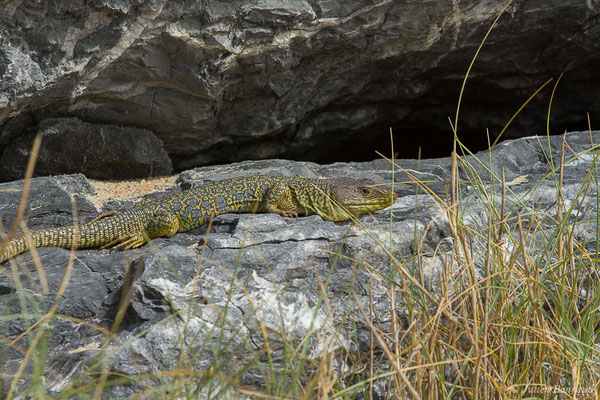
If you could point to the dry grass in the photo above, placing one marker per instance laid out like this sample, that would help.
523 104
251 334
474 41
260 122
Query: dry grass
528 329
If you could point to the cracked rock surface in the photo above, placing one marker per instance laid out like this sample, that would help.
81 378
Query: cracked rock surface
316 80
211 298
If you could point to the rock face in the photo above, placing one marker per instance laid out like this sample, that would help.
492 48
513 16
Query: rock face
316 80
98 151
206 300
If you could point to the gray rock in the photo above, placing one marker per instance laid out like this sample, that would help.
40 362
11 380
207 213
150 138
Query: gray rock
50 202
95 150
316 80
208 302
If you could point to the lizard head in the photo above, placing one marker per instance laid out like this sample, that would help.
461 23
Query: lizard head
359 196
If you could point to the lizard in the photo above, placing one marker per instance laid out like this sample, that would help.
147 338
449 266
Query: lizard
334 199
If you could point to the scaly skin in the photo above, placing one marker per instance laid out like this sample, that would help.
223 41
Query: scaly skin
335 199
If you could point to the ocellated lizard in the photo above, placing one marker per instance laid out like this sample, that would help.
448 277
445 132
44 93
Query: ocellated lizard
334 199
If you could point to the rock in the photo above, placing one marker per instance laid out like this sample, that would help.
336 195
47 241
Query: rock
323 81
50 202
207 301
95 150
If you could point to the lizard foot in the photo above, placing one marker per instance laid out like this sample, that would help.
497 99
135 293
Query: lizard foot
126 242
104 215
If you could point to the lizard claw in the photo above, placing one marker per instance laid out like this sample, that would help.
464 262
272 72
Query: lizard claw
105 215
126 242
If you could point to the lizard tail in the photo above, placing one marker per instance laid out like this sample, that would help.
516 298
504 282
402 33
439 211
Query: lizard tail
13 247
108 229
65 237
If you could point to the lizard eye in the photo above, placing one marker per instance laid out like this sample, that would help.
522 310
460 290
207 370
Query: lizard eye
365 191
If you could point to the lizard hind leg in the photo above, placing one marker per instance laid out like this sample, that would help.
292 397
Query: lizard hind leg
164 224
105 215
161 225
128 241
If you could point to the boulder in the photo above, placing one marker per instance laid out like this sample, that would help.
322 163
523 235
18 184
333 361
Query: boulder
323 81
207 300
99 151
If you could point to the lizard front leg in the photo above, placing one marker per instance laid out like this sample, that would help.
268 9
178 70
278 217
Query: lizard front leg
279 201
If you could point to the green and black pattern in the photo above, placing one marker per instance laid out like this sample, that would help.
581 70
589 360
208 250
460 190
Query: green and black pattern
334 199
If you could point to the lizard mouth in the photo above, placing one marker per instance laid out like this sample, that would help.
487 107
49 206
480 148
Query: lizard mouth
369 205
360 196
